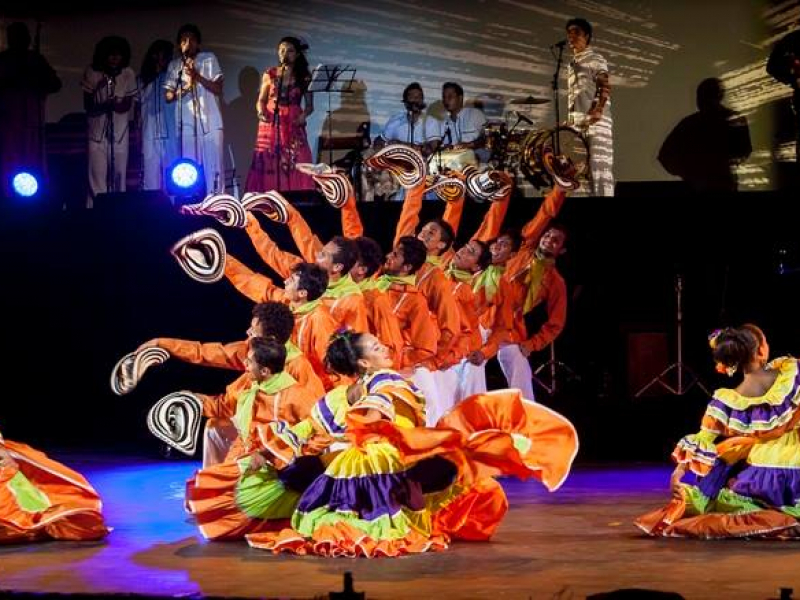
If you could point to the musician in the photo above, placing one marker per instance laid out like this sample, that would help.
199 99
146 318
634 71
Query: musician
194 84
784 66
589 104
463 127
413 126
109 87
26 78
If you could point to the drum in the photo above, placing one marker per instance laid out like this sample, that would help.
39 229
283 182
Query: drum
453 160
560 154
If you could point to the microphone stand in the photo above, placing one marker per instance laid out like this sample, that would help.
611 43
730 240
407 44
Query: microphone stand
111 172
276 126
179 88
559 61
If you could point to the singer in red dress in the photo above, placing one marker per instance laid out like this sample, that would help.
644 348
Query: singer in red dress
283 106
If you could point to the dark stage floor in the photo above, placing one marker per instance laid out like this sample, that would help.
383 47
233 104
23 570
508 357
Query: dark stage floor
575 542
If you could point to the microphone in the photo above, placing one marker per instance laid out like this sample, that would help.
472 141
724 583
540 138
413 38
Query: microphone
448 135
523 118
560 44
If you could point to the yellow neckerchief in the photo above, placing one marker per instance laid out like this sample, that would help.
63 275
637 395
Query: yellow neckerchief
292 351
384 282
367 284
489 280
536 270
344 287
244 404
458 274
436 261
306 308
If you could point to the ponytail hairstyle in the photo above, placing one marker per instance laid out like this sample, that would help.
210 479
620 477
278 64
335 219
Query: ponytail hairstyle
734 347
343 353
269 353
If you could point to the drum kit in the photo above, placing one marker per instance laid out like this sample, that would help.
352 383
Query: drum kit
540 156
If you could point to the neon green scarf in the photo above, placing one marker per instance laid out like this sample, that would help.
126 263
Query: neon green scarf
384 282
459 274
489 280
344 287
306 308
244 404
29 498
436 261
536 270
292 351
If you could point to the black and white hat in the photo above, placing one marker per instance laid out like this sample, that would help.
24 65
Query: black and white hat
202 255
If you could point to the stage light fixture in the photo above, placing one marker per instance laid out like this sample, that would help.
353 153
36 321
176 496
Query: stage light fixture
185 180
25 184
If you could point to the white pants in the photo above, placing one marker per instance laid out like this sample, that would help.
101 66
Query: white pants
425 380
207 150
218 438
460 381
517 369
100 162
157 155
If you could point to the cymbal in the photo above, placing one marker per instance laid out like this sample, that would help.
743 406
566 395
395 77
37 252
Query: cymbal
529 100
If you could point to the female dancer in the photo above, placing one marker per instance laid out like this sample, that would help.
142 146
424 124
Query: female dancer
398 487
740 475
41 499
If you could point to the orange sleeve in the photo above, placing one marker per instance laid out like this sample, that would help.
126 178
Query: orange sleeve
300 402
503 320
492 221
548 211
278 260
453 213
422 334
300 368
351 220
443 304
304 238
320 331
219 406
259 288
409 216
556 318
384 325
351 312
223 356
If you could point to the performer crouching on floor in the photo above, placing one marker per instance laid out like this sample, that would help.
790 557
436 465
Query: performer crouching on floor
41 499
739 476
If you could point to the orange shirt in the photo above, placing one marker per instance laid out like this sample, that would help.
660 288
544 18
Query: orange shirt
438 292
383 323
232 356
417 326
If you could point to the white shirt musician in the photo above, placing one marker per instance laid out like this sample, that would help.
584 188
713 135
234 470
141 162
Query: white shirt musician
589 104
413 126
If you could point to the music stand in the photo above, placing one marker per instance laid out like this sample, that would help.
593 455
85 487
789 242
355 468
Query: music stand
332 79
553 365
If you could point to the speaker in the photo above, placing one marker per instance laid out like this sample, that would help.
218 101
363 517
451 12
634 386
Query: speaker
648 356
150 199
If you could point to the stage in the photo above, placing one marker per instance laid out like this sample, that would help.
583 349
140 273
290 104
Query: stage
575 542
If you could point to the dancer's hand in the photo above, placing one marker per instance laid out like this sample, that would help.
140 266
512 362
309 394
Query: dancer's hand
476 358
148 344
5 459
675 481
257 462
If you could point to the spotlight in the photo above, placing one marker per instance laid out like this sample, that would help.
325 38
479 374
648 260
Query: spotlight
186 180
25 184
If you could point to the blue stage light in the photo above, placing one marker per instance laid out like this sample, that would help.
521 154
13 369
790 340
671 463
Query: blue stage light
185 180
25 184
185 174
